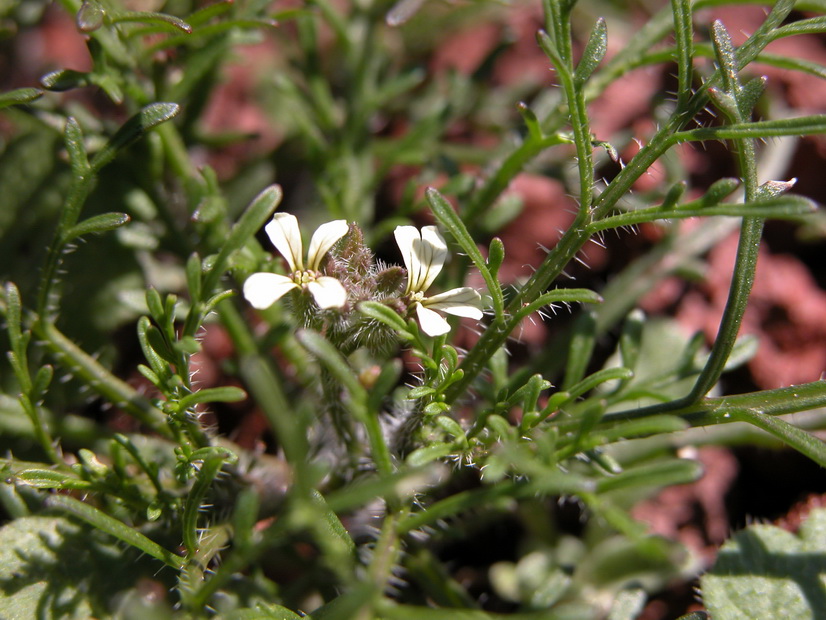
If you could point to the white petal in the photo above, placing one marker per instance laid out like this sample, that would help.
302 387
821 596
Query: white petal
432 323
263 289
405 237
432 254
328 292
286 237
323 239
463 301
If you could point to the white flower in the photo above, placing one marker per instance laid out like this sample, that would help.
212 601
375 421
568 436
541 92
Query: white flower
264 289
424 255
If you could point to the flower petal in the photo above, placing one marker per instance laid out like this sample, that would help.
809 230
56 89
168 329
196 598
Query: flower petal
323 239
263 289
464 301
286 237
432 252
328 292
432 323
405 237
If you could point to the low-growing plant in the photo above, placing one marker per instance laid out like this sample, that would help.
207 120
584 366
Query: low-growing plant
401 418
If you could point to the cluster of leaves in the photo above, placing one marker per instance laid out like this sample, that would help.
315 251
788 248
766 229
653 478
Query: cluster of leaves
359 523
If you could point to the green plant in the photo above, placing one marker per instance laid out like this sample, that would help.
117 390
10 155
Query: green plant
392 441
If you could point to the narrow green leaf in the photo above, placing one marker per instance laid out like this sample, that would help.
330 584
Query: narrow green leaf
250 222
771 189
215 300
14 315
530 120
725 102
559 295
383 314
428 454
583 340
496 256
684 37
155 305
333 524
159 344
132 130
719 191
206 13
150 374
96 225
150 469
110 83
587 421
812 25
435 408
156 361
801 126
420 392
112 526
726 57
187 345
593 53
64 79
800 440
50 479
549 47
21 371
448 218
774 208
554 483
630 341
500 427
193 276
42 379
75 147
99 379
674 194
529 393
750 95
452 427
401 11
244 516
213 452
225 394
667 473
153 18
90 16
19 96
210 466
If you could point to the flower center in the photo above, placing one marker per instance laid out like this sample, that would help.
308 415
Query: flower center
417 296
303 278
